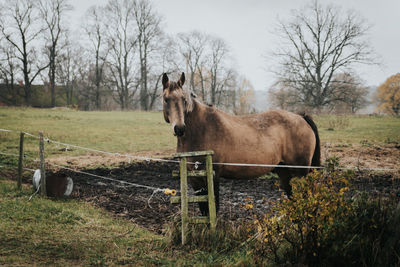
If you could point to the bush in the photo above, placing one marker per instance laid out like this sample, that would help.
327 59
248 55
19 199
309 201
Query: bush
371 234
321 226
295 230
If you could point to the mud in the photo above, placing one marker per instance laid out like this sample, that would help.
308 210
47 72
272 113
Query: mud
153 209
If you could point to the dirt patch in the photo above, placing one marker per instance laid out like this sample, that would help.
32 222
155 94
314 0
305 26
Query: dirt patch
93 160
152 211
367 156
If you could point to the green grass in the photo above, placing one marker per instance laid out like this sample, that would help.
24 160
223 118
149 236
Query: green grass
358 129
125 132
70 233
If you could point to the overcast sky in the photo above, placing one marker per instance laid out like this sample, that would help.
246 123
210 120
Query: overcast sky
247 26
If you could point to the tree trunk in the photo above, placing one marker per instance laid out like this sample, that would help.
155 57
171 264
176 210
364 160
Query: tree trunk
52 72
27 88
144 103
97 82
12 88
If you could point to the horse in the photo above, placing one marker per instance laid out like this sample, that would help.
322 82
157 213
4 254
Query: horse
275 137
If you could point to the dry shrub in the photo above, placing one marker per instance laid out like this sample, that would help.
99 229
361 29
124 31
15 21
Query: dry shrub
320 226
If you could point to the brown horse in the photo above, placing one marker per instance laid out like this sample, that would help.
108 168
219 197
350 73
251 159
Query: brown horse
274 137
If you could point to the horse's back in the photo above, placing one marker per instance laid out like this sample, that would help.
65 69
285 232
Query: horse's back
271 137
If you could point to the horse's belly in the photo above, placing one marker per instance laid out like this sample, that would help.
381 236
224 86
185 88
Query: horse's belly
243 172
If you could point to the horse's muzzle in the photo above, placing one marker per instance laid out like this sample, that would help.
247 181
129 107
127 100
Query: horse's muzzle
179 130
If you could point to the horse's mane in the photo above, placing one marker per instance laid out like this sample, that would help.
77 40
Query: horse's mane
189 101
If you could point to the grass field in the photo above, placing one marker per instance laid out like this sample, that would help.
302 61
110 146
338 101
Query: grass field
124 132
132 132
66 233
358 129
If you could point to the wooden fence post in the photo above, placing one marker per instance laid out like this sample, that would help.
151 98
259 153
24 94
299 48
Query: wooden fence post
184 199
20 160
211 198
42 166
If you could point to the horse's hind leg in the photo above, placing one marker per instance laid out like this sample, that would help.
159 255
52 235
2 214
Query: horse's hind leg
200 189
285 174
216 192
203 205
284 177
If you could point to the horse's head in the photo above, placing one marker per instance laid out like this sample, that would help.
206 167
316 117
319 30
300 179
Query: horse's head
176 103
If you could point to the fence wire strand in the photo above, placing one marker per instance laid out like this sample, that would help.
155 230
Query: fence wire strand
154 189
194 163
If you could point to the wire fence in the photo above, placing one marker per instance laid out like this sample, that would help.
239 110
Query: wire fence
143 158
152 188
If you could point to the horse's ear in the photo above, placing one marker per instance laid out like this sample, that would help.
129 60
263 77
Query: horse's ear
165 81
181 81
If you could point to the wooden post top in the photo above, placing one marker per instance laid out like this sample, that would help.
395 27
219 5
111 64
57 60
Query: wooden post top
193 154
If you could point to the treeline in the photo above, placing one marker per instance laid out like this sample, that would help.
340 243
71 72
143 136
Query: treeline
114 60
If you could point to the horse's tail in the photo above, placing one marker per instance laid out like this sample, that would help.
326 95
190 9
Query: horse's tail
316 159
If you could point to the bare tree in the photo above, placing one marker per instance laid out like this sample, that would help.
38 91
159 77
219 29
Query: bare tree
148 32
193 48
320 42
20 26
206 62
283 97
95 29
52 13
84 85
8 69
219 51
350 93
69 64
121 41
166 63
238 95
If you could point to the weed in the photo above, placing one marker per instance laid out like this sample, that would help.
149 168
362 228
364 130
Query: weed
389 140
365 143
343 145
270 175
